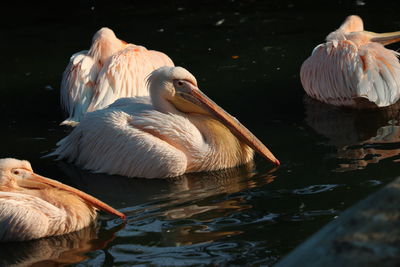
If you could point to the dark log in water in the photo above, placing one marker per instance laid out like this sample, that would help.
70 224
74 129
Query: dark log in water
367 234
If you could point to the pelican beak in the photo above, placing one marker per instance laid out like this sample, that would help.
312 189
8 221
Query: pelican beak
192 94
37 181
385 38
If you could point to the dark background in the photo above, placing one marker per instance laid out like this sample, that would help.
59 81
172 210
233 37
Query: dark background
39 37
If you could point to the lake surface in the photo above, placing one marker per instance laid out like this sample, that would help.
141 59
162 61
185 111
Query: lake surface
246 56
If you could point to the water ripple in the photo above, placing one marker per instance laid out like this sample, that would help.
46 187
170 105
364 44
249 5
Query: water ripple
315 189
311 214
216 253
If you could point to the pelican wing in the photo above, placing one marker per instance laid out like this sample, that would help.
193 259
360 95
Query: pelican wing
380 80
125 73
325 74
338 73
124 139
77 85
25 217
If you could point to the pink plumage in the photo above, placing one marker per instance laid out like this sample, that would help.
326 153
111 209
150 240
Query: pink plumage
109 70
32 206
175 130
353 68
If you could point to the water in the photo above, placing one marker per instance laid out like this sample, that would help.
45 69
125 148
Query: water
246 56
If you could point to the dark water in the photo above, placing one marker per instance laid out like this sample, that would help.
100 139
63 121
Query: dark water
246 56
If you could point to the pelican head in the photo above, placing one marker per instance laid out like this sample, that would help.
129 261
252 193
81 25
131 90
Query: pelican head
353 29
352 23
174 90
13 169
104 33
105 44
18 175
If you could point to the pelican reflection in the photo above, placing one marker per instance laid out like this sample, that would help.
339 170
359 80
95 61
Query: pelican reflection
179 209
361 137
57 250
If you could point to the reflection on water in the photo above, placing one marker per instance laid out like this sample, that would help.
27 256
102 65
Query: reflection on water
176 208
198 217
361 137
58 250
119 190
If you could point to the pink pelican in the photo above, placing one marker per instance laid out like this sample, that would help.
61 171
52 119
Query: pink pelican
32 206
353 68
177 129
109 70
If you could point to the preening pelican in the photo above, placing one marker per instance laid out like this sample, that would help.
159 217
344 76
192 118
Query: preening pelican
32 206
353 68
109 70
176 130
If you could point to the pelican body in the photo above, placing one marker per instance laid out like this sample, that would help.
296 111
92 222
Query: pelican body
109 70
32 206
177 129
353 68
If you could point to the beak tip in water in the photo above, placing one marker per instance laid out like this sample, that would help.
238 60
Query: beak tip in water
119 214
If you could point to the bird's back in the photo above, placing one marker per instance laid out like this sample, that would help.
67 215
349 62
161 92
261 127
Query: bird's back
344 74
33 214
109 70
125 74
77 84
129 138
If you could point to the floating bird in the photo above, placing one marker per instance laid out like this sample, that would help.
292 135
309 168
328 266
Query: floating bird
109 70
177 129
32 206
353 68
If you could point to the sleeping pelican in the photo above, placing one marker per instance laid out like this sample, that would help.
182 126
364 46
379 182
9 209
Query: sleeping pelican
109 70
174 131
32 206
353 68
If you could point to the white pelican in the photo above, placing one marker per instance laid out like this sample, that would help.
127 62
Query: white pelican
353 68
32 206
176 130
109 70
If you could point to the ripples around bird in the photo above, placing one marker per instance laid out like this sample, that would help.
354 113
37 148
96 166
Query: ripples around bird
196 219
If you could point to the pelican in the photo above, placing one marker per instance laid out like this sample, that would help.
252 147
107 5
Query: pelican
109 70
353 68
176 130
32 206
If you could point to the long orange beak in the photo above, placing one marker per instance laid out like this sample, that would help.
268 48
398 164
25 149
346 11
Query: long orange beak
35 178
193 94
384 38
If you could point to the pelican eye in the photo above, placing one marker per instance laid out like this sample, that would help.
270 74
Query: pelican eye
180 83
16 172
